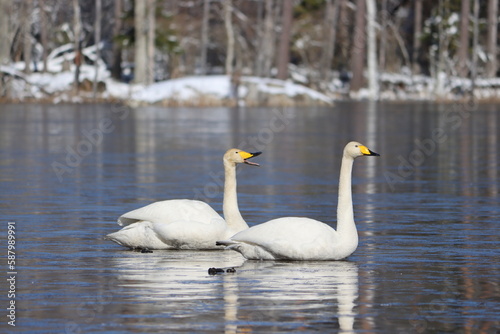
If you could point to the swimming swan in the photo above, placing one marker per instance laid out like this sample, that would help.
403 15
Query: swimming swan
297 238
184 223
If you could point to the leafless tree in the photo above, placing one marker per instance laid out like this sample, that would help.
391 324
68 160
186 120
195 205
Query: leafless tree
463 48
116 68
358 47
371 10
77 35
151 20
417 35
284 47
5 31
27 11
204 36
43 33
97 38
475 44
384 17
491 43
228 23
331 17
140 43
266 47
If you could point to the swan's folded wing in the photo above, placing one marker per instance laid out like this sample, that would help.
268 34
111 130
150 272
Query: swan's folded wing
191 234
170 211
290 237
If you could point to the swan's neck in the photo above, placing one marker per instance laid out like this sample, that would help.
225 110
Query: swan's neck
232 213
345 215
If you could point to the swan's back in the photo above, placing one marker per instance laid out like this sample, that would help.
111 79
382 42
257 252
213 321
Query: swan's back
287 238
171 211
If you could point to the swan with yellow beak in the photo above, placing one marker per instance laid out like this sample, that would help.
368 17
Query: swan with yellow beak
306 239
184 223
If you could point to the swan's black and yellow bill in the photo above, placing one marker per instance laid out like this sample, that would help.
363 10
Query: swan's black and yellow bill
246 155
368 152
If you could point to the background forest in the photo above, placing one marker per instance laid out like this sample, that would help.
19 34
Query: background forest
347 47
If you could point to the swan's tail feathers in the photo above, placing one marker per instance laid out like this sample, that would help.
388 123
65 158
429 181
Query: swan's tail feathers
138 236
118 238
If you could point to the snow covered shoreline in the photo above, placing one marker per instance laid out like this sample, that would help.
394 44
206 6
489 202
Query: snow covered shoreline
220 90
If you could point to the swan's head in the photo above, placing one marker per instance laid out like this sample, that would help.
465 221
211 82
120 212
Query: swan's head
237 156
355 149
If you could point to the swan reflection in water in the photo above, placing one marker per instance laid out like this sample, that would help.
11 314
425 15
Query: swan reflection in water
260 294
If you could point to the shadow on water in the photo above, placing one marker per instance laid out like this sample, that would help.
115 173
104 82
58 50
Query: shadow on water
427 214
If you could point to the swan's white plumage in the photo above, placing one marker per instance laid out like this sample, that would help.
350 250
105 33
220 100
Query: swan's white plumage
183 223
286 239
297 238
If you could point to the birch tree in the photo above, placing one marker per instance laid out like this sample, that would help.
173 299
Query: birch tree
228 23
372 49
5 38
141 41
491 43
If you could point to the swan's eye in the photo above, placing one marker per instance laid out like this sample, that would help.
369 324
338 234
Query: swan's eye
236 152
356 145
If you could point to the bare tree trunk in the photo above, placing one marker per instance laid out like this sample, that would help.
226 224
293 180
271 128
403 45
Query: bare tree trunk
5 38
384 20
373 87
97 38
150 74
358 48
27 11
78 51
43 33
344 40
417 33
116 67
228 22
266 49
463 48
331 18
141 42
475 43
284 48
438 77
204 36
258 38
491 44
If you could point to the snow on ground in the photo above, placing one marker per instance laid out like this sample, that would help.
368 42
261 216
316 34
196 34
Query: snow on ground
184 89
56 85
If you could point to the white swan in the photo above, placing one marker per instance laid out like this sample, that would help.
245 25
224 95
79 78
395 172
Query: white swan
184 223
297 238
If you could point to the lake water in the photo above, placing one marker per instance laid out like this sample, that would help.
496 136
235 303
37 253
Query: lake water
427 212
